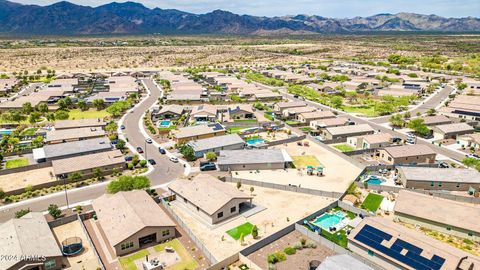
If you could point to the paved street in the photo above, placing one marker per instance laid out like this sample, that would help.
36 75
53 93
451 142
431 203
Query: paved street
165 171
432 103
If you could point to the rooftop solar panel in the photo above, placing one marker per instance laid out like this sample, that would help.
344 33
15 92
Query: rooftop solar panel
373 238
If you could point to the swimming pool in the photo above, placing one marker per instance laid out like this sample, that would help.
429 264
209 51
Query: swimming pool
5 132
374 180
255 141
165 123
328 220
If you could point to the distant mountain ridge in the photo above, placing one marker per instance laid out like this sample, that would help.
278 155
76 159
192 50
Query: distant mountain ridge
134 18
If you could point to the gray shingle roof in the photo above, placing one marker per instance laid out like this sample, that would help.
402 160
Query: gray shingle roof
77 147
216 142
254 156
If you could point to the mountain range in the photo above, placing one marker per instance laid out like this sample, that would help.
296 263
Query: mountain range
65 18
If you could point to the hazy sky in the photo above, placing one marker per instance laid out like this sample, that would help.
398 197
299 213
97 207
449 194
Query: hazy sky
326 8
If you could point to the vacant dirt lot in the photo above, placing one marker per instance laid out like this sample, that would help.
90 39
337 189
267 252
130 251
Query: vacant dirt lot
20 180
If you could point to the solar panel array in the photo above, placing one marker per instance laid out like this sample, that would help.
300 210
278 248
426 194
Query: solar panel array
216 126
373 238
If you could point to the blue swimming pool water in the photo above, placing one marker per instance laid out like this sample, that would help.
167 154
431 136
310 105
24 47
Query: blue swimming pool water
255 141
165 123
374 180
5 132
328 220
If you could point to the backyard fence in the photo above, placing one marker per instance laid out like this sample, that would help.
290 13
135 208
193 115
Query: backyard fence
185 227
80 219
62 221
26 168
323 193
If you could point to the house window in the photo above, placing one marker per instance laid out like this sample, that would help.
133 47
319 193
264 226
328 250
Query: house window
233 209
389 159
220 215
198 208
470 234
122 247
50 264
458 185
432 184
165 232
439 184
371 253
449 229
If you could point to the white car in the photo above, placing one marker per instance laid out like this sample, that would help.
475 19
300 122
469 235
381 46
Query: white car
475 156
174 159
148 140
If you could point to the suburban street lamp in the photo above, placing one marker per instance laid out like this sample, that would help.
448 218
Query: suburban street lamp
66 193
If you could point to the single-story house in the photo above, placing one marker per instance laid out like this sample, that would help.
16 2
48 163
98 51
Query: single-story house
436 120
470 140
217 144
81 123
281 106
70 149
441 215
168 112
328 122
451 131
132 220
292 113
86 165
255 159
371 141
211 199
407 154
204 113
241 112
28 243
343 132
307 117
452 179
191 133
395 247
73 134
7 85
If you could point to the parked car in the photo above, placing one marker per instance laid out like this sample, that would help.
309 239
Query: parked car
139 150
475 156
148 140
122 127
152 162
443 164
411 135
128 158
174 159
396 139
162 151
208 167
410 141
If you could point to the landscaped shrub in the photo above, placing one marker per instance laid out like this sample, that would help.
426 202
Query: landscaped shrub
290 250
271 258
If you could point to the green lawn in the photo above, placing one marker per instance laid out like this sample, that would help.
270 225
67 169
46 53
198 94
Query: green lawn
245 120
15 163
128 263
187 262
28 132
304 161
289 122
344 147
171 127
365 110
233 130
268 116
245 229
372 202
340 238
78 114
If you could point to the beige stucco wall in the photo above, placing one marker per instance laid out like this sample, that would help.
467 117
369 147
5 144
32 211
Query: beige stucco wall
146 231
439 227
26 265
226 210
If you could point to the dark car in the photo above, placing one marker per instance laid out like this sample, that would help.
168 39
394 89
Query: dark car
162 151
152 162
139 150
396 140
122 127
128 158
443 164
208 167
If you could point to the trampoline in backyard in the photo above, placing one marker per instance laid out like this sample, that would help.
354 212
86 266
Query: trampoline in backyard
72 246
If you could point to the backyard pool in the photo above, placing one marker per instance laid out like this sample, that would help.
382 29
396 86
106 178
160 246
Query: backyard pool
165 123
5 132
255 141
374 180
328 220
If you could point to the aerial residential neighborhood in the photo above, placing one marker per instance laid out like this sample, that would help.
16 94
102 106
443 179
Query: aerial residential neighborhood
140 137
